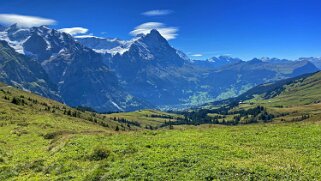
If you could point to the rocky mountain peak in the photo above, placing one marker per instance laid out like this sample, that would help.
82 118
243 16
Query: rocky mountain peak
154 38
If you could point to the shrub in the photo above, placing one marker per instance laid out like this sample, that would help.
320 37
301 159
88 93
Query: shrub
50 136
17 101
117 128
100 153
1 160
37 165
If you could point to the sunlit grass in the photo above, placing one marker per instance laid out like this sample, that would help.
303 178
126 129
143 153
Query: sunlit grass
37 144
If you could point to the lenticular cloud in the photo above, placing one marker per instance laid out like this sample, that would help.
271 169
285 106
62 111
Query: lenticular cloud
167 32
25 21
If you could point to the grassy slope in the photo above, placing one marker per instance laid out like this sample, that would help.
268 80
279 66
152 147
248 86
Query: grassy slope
35 105
146 117
260 151
303 92
298 98
271 151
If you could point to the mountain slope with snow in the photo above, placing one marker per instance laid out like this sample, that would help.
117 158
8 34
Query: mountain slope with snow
81 77
25 73
217 62
145 72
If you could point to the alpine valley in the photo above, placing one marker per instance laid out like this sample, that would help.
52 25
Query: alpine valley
170 90
110 75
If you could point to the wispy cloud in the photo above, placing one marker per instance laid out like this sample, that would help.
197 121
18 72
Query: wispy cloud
197 55
167 32
25 21
157 12
74 30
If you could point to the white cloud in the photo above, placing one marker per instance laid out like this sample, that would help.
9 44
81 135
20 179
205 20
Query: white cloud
25 21
197 55
74 30
157 12
167 32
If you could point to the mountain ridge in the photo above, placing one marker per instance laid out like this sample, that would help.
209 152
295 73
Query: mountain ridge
78 72
145 72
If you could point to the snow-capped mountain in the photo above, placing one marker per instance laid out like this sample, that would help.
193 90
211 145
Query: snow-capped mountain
151 48
40 43
15 37
274 60
115 46
25 73
117 75
315 60
217 62
97 43
105 45
152 70
78 72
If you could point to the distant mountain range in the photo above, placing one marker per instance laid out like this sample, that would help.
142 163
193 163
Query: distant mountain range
119 75
217 62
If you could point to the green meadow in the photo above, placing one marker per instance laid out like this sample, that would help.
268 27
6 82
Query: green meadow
284 151
41 139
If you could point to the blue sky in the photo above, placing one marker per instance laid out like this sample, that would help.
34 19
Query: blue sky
240 28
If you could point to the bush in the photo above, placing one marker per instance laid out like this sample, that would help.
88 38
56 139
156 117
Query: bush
50 136
117 128
37 165
55 134
100 153
17 101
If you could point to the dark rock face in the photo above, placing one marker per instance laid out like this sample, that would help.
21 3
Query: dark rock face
83 79
152 70
23 72
37 45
